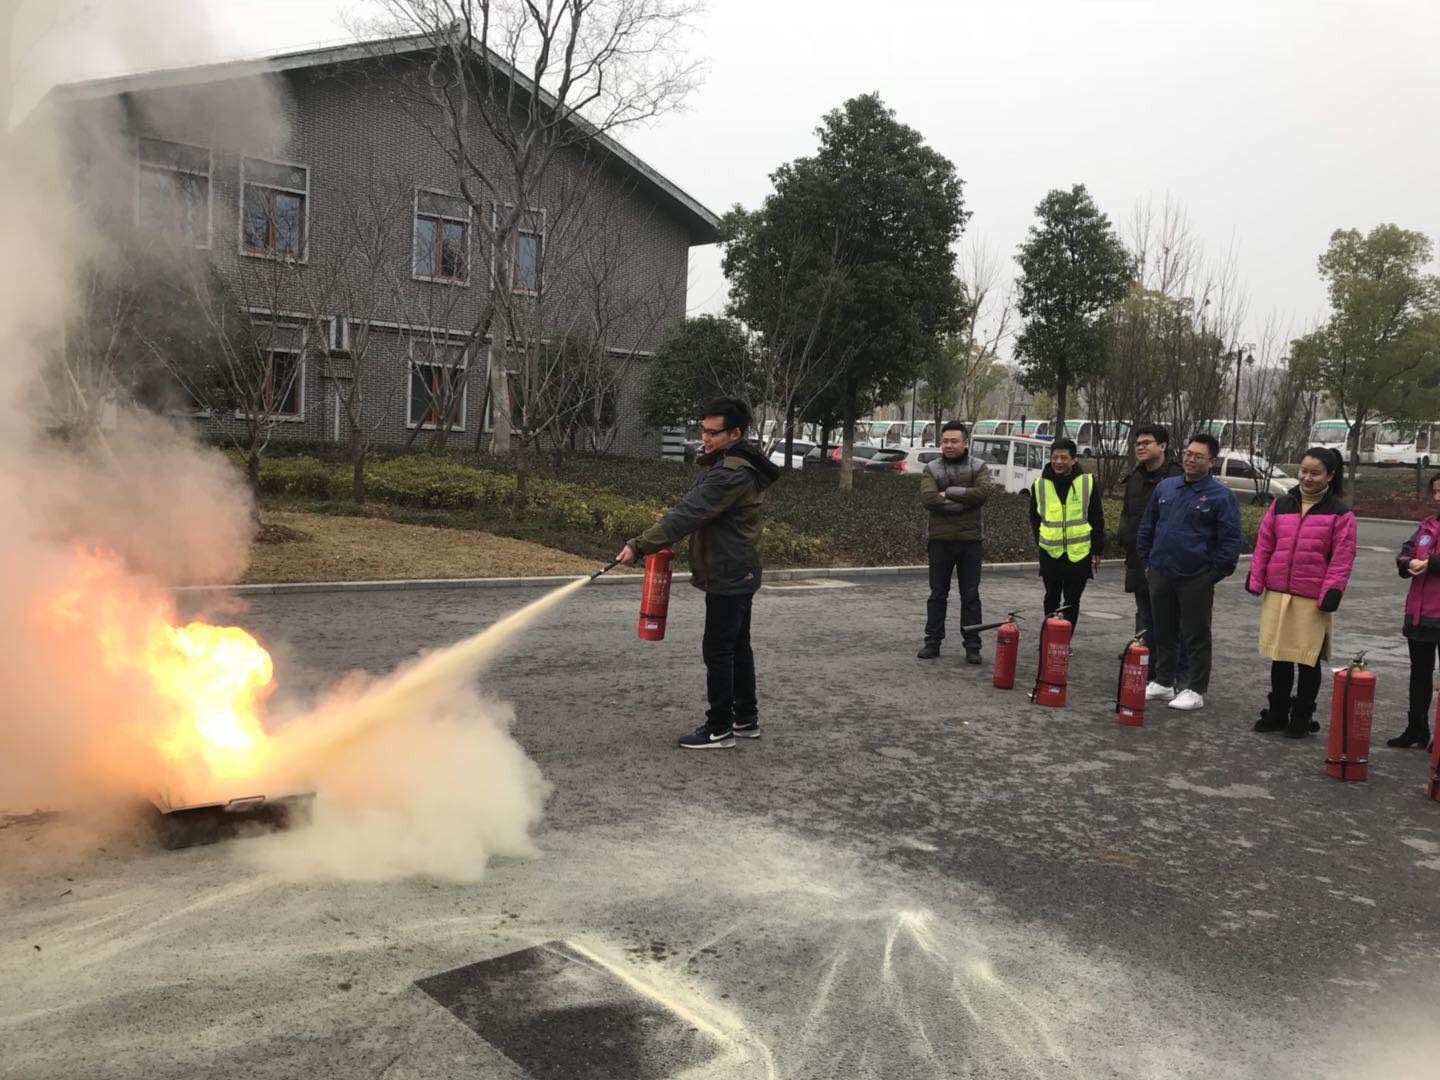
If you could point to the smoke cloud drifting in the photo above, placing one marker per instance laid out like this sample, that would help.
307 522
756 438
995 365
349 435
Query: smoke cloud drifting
98 526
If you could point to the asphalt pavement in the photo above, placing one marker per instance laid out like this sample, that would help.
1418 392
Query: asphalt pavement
911 874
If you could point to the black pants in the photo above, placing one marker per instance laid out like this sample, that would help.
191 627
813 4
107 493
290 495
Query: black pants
1181 609
1282 678
1058 588
729 663
1422 681
958 558
1145 624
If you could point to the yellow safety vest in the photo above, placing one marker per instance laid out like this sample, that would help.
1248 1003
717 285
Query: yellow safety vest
1064 524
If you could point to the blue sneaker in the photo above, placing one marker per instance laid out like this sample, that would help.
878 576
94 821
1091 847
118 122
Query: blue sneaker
747 729
702 738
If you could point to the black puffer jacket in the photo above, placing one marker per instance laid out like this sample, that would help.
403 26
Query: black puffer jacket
723 516
1139 484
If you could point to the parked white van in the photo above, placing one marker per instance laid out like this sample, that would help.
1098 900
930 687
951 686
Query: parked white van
1014 461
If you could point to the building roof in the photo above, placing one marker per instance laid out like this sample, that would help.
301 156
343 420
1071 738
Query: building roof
699 221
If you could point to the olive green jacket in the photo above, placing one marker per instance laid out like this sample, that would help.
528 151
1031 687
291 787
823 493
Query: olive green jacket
954 493
722 514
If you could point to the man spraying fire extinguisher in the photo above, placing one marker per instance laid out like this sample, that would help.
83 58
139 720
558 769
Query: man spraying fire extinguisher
722 514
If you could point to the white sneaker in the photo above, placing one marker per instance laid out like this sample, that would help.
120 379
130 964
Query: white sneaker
1154 691
1188 700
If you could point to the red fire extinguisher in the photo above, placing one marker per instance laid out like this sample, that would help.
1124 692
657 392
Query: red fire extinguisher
1007 648
1130 689
1351 709
655 595
1434 789
1054 667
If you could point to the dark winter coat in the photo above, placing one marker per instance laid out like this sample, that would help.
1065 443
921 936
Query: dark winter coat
1054 569
953 494
1191 530
723 516
1139 485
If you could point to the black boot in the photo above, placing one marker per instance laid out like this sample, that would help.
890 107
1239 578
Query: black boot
1275 716
1418 737
929 651
1301 722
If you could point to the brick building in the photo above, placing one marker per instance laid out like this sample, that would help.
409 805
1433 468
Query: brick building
268 168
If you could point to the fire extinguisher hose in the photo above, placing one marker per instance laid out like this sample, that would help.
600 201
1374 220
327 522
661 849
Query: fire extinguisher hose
1344 761
605 569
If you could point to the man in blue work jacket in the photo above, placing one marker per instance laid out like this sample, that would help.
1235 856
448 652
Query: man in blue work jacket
1189 541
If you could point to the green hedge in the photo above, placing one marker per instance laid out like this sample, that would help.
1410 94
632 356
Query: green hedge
438 483
809 522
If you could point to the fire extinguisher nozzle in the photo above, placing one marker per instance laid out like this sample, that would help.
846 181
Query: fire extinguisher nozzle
606 568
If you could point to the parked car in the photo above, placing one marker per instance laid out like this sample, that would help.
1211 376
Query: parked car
886 459
1245 475
863 452
800 449
1014 460
917 457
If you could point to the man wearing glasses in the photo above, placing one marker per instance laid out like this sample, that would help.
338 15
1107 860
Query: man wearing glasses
1152 464
723 517
1189 542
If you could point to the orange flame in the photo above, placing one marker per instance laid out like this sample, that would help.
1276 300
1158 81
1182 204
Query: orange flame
202 685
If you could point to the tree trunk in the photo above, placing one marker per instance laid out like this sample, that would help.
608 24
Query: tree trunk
500 442
357 467
1062 392
847 442
789 434
522 473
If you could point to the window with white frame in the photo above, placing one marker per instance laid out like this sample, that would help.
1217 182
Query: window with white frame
280 382
526 253
442 237
437 387
174 189
273 207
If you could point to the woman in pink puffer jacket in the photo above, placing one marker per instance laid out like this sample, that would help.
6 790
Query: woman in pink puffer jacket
1302 562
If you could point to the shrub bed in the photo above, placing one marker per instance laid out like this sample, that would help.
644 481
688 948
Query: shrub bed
590 502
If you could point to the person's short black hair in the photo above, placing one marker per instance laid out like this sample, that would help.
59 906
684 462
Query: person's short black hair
955 425
1206 440
1159 432
1334 463
1434 479
733 411
1065 444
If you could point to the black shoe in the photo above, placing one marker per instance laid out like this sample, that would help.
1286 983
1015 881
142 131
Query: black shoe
702 738
1411 737
928 651
1275 716
972 656
746 729
1301 723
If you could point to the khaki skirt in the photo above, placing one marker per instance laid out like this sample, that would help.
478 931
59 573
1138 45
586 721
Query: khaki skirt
1293 630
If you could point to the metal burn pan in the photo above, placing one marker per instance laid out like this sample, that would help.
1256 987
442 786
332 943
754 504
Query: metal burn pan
207 823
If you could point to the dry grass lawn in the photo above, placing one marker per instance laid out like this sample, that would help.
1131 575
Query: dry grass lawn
296 546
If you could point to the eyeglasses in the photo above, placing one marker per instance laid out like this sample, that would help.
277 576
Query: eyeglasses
1142 443
1190 455
714 434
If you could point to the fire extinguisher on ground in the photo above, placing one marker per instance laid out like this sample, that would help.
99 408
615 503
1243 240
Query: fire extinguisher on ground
1434 789
1054 667
655 595
1007 648
1351 708
1130 687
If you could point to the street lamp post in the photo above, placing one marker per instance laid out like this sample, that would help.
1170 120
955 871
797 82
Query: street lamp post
1240 354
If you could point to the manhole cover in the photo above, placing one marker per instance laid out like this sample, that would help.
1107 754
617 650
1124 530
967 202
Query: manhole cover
798 584
1087 613
558 1010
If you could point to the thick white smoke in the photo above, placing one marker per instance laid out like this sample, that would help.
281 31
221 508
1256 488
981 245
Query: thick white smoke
95 529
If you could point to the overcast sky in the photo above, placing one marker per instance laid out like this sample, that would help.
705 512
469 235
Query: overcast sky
1272 121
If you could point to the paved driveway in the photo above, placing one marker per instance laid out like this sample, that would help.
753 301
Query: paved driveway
911 874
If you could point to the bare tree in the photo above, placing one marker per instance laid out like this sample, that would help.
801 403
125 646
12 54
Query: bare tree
515 93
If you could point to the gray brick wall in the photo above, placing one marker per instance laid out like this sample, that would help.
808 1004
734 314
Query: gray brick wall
361 144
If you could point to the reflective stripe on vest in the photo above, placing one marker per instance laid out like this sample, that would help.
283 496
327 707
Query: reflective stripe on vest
1064 524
